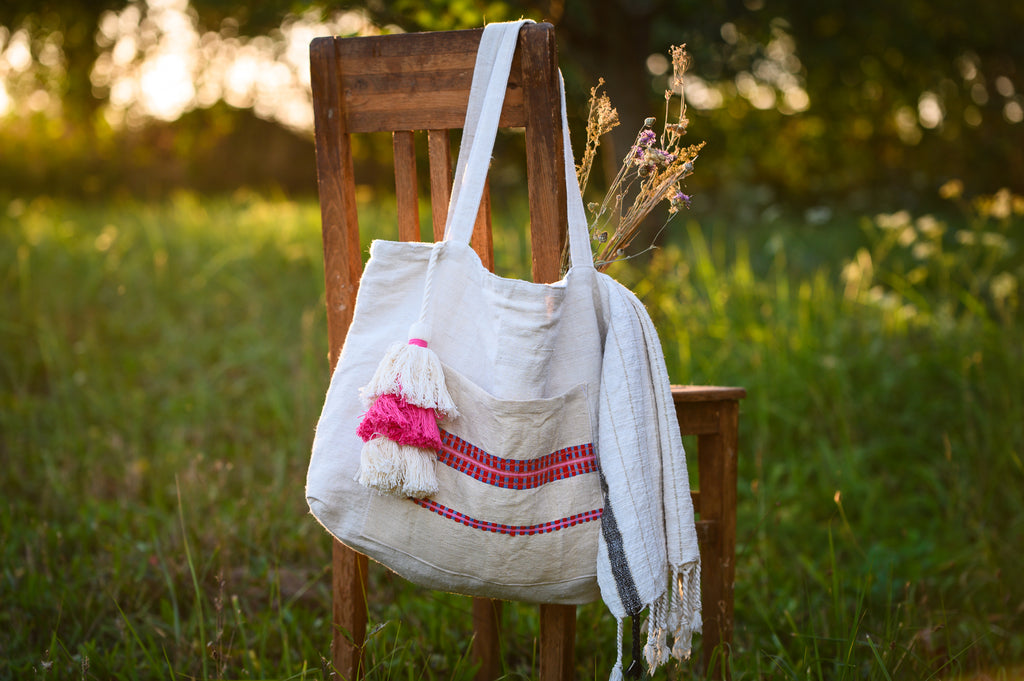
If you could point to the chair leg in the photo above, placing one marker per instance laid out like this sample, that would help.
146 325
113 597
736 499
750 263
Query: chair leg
717 470
348 576
557 642
486 631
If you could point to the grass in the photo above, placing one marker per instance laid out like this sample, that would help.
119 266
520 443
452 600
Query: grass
162 367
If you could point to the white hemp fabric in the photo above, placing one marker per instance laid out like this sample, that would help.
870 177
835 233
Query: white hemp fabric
570 373
648 555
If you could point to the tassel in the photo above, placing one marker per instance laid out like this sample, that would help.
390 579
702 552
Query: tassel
687 620
380 466
397 470
413 372
405 399
419 473
656 651
392 417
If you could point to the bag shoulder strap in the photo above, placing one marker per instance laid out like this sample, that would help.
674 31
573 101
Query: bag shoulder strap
486 98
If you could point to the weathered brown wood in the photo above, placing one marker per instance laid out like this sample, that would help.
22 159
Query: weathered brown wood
406 195
348 586
342 268
698 418
342 260
557 642
706 393
716 466
439 150
544 164
707 535
420 82
714 554
487 637
482 240
712 413
720 666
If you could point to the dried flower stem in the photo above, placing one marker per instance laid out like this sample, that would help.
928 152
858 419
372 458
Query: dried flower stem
652 171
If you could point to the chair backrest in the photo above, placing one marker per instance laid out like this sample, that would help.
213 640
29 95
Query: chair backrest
403 84
420 82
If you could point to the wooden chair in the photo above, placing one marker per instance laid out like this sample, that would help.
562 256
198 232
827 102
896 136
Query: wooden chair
420 82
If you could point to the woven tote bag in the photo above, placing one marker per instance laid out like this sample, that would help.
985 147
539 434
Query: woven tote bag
513 512
503 438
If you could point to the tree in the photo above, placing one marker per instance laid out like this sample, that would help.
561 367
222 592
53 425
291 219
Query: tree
868 101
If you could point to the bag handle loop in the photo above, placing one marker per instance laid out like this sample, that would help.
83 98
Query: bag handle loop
486 98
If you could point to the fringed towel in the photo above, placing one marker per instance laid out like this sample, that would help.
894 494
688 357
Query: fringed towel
647 553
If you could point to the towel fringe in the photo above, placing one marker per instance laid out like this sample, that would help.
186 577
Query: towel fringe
616 674
675 614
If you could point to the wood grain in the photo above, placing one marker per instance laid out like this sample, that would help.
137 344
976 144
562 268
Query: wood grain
406 194
439 151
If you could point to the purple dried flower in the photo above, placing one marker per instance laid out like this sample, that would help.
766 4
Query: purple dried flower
647 138
680 197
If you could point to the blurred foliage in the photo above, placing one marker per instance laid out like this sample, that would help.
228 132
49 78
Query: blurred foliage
209 150
899 98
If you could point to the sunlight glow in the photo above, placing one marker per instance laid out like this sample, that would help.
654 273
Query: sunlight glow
1013 112
930 111
155 64
702 95
18 55
774 81
165 86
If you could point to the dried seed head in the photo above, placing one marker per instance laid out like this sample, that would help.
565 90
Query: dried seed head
680 62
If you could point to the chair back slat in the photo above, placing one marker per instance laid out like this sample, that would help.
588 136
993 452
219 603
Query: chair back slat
338 212
439 151
406 194
482 240
420 82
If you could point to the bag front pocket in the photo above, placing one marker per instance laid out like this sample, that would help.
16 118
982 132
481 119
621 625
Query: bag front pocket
518 511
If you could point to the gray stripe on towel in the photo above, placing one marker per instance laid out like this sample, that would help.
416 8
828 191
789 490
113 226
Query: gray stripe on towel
617 557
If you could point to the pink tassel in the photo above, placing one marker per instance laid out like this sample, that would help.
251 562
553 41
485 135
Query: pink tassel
405 398
392 417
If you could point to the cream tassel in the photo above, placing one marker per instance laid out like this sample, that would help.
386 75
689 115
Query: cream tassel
380 466
419 473
414 372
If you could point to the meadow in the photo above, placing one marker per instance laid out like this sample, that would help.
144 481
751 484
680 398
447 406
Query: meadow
162 366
